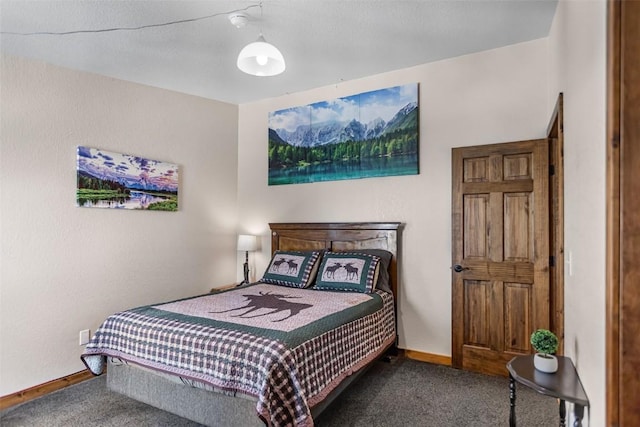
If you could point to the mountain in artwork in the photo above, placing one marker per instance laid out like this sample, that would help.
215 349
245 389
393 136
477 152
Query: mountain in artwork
334 132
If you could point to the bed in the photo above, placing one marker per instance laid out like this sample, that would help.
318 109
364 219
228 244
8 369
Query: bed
275 352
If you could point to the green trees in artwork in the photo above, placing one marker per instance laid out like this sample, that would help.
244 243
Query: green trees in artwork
397 143
92 188
92 183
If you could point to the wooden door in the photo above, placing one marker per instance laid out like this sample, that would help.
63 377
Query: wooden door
500 249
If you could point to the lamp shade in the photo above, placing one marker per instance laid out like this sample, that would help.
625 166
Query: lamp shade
247 242
261 59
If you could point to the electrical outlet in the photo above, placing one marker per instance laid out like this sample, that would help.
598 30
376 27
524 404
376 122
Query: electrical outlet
85 336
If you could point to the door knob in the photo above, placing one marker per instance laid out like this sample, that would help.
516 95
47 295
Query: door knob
458 268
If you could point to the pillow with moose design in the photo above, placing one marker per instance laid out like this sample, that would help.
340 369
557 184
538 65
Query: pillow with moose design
347 271
296 269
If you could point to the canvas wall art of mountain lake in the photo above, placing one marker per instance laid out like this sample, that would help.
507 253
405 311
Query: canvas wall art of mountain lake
121 181
371 134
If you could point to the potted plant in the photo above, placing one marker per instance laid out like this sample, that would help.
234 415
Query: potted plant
545 343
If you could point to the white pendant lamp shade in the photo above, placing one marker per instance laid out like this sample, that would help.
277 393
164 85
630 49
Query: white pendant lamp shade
261 59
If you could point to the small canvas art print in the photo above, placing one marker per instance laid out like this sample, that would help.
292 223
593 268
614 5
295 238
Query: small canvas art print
122 181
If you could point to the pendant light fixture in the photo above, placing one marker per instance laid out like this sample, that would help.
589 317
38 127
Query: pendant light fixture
261 58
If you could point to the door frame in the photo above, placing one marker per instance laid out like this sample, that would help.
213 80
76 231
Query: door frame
555 134
623 220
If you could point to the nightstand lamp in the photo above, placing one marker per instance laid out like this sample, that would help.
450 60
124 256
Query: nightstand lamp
246 243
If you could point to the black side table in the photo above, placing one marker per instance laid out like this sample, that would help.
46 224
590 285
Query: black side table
563 384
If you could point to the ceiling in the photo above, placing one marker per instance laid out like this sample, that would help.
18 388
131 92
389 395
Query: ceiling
323 42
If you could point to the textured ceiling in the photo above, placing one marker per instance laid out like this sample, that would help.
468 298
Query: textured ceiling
323 42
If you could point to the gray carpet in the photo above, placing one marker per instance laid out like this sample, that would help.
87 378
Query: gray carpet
401 393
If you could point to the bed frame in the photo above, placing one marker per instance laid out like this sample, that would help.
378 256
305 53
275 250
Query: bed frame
215 409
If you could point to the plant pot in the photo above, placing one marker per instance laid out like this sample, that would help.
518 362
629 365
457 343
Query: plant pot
545 363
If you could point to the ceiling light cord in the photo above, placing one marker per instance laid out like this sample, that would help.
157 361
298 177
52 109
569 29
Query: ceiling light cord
261 17
142 27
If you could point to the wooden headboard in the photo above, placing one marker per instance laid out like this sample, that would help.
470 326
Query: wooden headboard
341 236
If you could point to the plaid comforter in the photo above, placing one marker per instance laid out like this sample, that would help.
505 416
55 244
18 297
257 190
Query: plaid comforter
288 347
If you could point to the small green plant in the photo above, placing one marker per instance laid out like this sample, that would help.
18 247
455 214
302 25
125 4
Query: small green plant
544 341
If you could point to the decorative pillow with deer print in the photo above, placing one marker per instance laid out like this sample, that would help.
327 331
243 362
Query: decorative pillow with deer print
292 268
346 271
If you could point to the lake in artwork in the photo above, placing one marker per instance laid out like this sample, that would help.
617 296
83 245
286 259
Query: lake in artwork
371 134
121 181
347 169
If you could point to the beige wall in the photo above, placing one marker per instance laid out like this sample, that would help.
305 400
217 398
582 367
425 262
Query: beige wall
66 268
494 96
578 69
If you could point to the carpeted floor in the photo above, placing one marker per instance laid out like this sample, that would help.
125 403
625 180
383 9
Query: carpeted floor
401 393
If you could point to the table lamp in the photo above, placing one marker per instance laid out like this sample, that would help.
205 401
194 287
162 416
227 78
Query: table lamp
247 243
